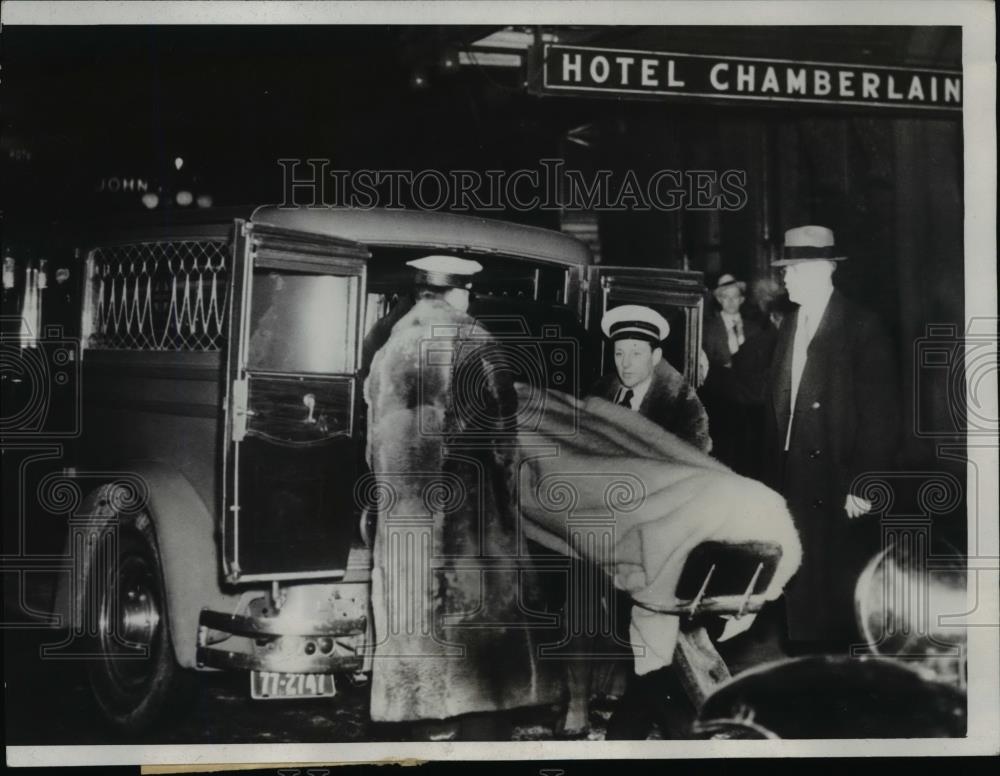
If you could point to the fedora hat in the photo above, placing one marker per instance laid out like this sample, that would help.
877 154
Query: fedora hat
808 243
727 281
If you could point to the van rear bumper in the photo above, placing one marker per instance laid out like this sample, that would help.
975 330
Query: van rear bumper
318 629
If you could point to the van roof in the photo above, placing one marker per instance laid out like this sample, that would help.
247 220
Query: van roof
425 229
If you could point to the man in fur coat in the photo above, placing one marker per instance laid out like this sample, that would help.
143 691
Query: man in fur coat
643 381
449 589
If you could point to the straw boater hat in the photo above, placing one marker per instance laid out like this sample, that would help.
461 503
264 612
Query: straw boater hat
808 243
632 321
726 281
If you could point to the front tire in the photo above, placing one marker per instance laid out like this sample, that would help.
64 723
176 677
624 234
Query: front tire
136 679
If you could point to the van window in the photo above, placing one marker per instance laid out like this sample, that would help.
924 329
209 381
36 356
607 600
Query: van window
302 322
166 295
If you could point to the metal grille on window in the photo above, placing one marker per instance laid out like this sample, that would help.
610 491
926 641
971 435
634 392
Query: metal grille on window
158 296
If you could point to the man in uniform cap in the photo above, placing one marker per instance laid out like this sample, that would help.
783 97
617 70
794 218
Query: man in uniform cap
448 278
643 380
451 643
832 411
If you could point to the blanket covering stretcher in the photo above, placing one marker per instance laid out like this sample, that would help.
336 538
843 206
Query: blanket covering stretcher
593 463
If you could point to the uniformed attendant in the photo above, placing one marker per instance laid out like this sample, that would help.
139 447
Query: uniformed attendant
451 643
446 277
643 380
832 412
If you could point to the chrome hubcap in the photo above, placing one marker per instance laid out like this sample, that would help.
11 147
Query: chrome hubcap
130 622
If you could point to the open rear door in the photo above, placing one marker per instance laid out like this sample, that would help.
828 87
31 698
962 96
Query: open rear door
291 412
678 295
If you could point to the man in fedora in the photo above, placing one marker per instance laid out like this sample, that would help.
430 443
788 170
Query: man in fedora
725 331
643 380
832 410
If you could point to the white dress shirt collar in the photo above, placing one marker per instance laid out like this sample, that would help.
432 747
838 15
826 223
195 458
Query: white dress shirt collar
814 307
639 391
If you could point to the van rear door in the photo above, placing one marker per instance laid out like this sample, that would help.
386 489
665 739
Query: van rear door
291 437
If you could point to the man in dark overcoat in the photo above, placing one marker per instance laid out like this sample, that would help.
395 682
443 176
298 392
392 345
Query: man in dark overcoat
726 333
832 411
726 328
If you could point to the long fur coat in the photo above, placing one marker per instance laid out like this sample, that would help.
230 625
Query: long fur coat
450 590
670 403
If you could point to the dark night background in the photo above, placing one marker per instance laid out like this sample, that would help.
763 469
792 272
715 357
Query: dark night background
83 104
99 102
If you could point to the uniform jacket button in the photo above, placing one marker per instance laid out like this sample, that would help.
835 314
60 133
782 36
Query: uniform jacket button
815 405
818 503
814 453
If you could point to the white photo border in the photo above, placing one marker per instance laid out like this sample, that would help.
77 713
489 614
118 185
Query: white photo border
977 21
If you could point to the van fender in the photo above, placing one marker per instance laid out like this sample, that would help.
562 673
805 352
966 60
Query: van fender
186 544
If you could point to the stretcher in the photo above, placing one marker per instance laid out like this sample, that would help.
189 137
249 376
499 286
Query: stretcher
718 580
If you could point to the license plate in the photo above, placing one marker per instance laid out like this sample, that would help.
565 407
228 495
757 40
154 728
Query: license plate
270 685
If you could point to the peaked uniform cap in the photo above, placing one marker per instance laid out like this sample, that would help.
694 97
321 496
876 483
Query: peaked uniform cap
445 271
632 321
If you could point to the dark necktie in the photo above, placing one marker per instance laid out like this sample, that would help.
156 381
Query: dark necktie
626 400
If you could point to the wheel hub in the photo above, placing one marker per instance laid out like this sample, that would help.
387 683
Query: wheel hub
130 622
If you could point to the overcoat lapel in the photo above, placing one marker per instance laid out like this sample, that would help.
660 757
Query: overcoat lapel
782 393
824 342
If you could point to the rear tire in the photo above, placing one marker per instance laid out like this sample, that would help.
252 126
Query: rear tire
137 678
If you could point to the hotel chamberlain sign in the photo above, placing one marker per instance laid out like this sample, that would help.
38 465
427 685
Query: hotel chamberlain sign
597 72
